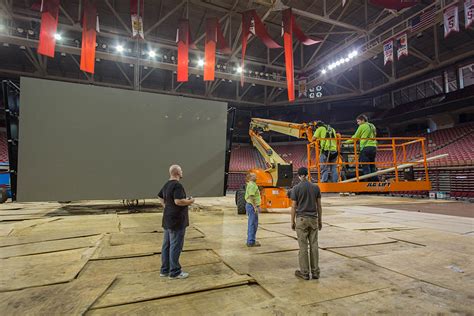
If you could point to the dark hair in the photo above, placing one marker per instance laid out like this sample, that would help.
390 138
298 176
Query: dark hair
363 117
303 171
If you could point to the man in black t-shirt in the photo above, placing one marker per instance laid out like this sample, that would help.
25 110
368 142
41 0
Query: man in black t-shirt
175 221
306 219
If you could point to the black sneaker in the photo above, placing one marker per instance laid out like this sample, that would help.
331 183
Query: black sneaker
300 275
256 244
314 276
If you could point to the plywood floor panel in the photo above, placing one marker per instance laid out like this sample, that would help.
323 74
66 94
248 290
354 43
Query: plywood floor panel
374 250
141 249
419 297
48 246
73 298
214 302
436 239
149 285
444 268
37 270
145 263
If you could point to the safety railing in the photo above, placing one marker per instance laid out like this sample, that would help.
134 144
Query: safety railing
392 155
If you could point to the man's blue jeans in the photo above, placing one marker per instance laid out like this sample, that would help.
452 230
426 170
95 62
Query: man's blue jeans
327 170
368 154
252 224
173 241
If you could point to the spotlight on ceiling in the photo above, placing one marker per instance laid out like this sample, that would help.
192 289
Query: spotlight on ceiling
323 71
239 70
353 54
104 46
152 54
58 37
119 48
200 62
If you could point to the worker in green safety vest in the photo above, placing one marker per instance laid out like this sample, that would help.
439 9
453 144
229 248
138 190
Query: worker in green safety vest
327 152
368 147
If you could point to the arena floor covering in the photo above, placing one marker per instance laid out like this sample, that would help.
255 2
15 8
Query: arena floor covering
101 258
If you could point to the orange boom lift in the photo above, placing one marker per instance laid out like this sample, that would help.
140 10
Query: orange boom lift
278 177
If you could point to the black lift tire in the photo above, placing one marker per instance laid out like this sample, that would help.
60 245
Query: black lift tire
3 195
240 202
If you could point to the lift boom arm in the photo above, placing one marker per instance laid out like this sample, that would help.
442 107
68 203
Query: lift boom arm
280 170
271 156
304 131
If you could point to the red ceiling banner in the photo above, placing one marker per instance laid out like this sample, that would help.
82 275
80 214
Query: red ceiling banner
214 38
288 43
289 28
89 33
49 24
252 24
183 38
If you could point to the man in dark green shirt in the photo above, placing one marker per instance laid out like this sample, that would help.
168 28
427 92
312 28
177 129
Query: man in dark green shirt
368 147
306 219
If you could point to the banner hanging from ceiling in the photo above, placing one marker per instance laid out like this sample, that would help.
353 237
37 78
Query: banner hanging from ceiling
137 8
252 24
451 20
90 26
468 13
49 24
183 38
214 40
402 45
289 27
388 52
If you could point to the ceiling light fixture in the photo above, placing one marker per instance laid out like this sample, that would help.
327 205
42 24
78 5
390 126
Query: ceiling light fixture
58 37
119 48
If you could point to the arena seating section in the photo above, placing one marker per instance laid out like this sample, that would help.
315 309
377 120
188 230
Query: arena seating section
453 174
3 148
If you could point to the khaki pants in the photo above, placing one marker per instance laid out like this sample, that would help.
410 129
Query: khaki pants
307 232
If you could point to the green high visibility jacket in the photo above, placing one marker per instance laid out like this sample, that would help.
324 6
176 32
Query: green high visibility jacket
325 144
365 130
